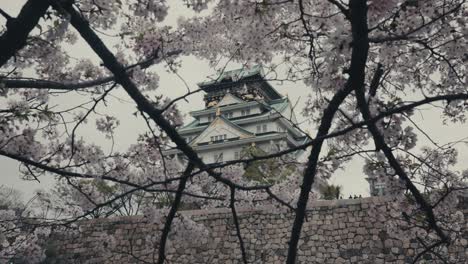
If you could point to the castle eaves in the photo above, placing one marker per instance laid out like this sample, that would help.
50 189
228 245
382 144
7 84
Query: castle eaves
278 106
235 75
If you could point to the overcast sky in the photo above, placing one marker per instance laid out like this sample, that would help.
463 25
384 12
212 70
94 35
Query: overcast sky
194 71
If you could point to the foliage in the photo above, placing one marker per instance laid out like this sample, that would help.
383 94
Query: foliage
267 171
330 191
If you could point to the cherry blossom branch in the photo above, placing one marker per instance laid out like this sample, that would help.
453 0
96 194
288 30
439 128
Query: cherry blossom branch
236 224
75 174
156 143
69 174
358 9
183 97
309 174
107 203
82 119
172 213
19 28
375 80
55 85
428 249
406 35
342 8
382 145
308 32
279 200
438 55
448 190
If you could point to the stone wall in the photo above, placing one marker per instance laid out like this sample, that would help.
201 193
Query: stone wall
338 231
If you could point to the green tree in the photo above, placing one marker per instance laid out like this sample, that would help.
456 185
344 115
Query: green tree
267 171
330 191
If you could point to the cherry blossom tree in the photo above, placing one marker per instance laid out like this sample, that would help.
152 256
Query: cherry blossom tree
21 240
370 66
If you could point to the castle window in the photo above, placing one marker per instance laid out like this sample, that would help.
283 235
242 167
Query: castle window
264 128
211 117
228 114
259 128
219 137
236 155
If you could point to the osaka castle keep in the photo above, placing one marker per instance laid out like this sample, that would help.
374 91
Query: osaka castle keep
242 111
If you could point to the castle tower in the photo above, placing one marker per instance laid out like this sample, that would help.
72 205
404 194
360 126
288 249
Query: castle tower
242 110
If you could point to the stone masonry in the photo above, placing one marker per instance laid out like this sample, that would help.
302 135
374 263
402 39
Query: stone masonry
339 231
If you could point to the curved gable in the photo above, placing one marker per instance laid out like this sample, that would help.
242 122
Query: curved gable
219 130
230 99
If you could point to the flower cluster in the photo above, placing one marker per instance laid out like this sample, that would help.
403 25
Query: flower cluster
107 125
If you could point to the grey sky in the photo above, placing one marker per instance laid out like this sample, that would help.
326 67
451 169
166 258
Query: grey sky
193 71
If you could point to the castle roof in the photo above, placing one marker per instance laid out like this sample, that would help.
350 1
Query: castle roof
233 80
258 138
222 124
276 106
235 75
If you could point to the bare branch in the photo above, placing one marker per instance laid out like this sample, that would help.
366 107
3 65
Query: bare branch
5 15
